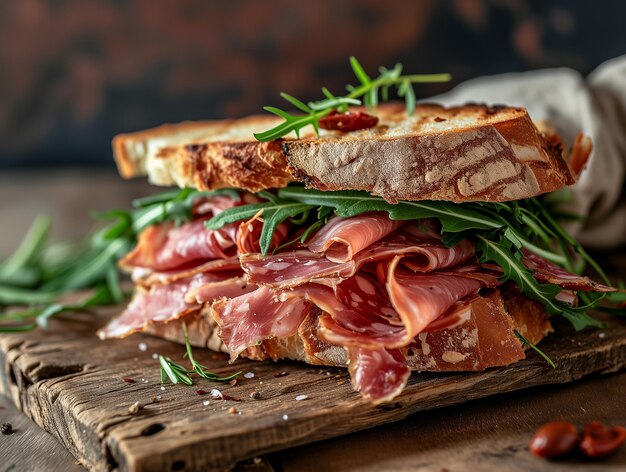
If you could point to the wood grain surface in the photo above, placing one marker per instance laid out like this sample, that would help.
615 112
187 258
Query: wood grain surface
72 385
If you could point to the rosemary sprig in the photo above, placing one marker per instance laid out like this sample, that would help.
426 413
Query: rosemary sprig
368 93
177 373
526 342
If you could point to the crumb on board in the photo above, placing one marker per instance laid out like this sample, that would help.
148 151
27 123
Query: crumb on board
135 408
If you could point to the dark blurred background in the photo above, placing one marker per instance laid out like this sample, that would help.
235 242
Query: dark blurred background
73 73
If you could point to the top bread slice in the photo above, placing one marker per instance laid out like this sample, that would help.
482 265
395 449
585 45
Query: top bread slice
469 153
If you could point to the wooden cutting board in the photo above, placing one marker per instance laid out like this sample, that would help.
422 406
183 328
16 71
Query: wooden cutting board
72 385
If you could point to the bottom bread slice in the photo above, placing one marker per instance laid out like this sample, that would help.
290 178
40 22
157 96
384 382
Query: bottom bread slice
485 338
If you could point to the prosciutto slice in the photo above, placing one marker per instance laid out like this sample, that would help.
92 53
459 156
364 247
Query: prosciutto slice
342 238
291 269
229 288
148 277
420 299
164 247
482 338
159 303
248 319
379 375
546 271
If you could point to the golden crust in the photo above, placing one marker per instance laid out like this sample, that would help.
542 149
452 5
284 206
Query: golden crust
468 153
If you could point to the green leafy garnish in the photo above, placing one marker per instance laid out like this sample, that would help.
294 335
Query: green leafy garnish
177 373
368 93
35 276
525 342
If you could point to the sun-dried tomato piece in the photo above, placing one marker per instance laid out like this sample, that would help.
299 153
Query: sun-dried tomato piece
600 440
348 121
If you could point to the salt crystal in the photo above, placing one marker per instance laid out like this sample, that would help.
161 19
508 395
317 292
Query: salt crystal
155 356
206 402
162 387
143 347
249 375
602 335
299 398
285 417
215 393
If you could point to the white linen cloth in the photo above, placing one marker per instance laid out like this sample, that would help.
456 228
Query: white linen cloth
595 105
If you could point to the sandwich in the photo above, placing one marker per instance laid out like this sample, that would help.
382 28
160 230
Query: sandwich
388 238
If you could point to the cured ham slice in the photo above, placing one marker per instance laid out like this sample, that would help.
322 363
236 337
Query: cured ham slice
379 375
546 271
159 303
148 277
229 288
290 269
249 319
164 247
420 299
342 238
216 204
484 339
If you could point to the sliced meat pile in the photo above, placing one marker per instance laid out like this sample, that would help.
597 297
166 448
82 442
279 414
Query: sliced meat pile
388 292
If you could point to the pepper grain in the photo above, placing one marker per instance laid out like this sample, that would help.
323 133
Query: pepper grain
6 428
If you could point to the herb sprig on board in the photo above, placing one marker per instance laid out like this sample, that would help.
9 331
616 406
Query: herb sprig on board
501 230
177 373
368 92
38 275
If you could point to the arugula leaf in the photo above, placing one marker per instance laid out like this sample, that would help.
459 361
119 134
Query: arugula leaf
273 212
526 342
509 258
453 217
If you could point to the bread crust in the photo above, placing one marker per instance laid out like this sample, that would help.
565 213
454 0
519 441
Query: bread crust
460 154
520 313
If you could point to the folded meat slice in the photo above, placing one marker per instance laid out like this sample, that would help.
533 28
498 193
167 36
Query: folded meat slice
341 238
379 375
165 247
484 339
290 269
548 272
147 277
249 319
163 303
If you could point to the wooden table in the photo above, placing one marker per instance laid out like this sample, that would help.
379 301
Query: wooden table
489 434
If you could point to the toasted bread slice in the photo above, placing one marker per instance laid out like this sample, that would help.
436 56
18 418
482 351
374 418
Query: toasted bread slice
469 153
